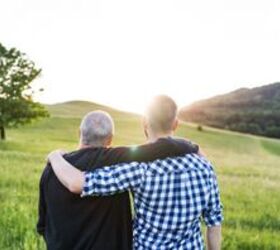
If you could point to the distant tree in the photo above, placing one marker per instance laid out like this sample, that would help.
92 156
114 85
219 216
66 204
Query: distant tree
16 104
199 128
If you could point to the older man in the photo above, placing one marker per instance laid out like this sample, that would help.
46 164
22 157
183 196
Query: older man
170 194
104 223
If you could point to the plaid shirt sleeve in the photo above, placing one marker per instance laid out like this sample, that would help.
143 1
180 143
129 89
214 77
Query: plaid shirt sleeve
213 214
113 179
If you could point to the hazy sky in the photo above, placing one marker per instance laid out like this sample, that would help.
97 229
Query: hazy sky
123 52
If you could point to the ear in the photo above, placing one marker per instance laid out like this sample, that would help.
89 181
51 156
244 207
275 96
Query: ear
175 124
145 126
144 122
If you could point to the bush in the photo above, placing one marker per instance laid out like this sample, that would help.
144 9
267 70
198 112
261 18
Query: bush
199 128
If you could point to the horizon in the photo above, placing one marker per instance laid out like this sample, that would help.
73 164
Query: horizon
140 112
122 53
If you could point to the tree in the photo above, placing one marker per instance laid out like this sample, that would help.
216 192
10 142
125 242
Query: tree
17 107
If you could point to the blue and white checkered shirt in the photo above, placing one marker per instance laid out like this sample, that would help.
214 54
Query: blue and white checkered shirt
170 197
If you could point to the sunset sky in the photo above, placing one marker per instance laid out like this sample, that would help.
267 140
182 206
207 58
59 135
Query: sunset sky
121 53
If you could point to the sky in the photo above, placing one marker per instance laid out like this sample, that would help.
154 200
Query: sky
121 53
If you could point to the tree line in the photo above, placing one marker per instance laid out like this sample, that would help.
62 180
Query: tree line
255 111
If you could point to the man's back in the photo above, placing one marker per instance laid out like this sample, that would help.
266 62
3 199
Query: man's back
174 195
70 222
170 195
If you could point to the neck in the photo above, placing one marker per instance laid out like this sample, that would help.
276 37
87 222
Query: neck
83 146
155 136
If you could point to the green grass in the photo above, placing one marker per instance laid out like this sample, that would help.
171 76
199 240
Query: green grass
248 169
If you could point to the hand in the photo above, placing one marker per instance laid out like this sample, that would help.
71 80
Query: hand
55 153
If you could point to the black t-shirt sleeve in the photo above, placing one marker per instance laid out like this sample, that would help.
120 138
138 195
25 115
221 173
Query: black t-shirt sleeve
162 148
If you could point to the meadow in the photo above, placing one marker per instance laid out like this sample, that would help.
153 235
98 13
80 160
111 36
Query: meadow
248 169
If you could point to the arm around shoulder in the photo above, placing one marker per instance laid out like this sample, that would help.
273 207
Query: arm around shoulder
68 175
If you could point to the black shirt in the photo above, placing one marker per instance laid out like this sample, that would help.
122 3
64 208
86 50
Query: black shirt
103 223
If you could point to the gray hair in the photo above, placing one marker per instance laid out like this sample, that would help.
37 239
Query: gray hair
96 127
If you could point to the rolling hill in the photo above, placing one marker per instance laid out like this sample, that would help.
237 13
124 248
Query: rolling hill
247 168
255 111
80 108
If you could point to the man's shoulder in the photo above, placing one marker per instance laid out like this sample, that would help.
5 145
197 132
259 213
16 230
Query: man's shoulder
45 173
92 151
191 163
200 165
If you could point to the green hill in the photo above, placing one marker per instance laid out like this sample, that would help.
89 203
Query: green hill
247 167
80 108
254 111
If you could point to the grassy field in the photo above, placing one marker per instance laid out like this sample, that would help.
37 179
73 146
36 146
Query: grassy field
248 169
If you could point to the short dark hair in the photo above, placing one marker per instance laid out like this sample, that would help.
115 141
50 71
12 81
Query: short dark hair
161 113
